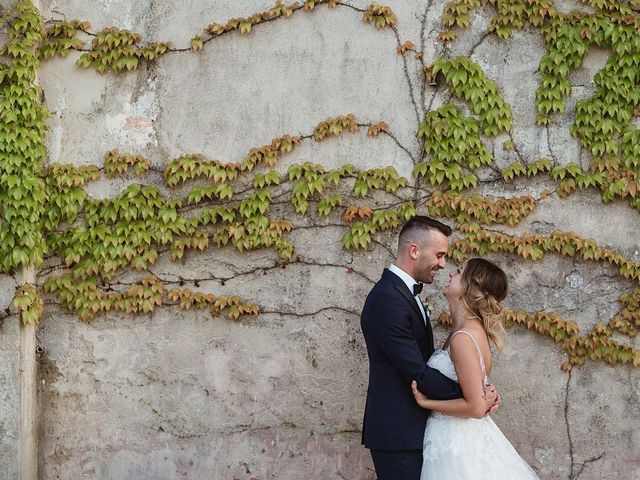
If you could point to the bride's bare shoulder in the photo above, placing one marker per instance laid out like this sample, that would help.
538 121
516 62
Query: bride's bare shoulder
461 339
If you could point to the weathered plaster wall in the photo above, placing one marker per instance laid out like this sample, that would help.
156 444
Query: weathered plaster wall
9 381
181 395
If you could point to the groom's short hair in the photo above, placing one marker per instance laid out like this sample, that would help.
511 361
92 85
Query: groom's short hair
420 223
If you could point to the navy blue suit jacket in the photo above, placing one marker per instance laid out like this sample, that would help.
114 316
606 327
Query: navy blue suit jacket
399 345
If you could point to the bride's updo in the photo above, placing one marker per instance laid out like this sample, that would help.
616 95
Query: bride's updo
484 287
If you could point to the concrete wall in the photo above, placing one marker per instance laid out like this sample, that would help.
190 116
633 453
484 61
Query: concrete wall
181 395
9 387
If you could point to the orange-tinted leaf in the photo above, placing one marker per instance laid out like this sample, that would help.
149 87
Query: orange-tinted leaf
349 214
404 47
365 212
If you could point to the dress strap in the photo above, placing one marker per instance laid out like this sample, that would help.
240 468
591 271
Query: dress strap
485 379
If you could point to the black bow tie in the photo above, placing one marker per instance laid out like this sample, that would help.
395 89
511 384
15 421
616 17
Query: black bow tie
417 288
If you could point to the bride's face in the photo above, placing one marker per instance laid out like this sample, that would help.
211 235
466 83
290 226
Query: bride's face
455 287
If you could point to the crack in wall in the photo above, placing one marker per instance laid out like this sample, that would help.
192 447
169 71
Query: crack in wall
515 148
568 427
478 43
586 462
311 314
258 270
408 77
553 155
423 46
575 468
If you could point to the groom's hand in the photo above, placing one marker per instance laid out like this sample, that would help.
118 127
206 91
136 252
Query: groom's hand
492 399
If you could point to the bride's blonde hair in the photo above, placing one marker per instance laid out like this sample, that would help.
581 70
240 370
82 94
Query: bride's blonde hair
484 287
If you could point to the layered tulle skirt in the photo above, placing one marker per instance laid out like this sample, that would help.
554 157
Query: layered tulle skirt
470 449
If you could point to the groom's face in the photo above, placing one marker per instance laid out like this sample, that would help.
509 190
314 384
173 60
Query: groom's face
432 255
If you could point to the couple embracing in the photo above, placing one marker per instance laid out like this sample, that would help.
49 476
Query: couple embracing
408 380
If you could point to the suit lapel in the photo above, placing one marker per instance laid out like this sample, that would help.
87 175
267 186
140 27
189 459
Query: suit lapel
401 287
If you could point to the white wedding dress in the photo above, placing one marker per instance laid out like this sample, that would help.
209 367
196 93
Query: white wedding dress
458 448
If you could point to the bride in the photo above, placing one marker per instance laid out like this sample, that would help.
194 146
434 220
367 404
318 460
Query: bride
460 442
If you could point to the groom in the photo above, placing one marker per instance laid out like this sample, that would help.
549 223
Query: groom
399 342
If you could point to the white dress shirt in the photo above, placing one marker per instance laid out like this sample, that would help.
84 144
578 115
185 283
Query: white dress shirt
410 282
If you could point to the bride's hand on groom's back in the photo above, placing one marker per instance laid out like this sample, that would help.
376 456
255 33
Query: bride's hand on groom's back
492 399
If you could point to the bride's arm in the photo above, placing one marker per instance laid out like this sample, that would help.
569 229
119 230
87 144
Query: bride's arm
467 364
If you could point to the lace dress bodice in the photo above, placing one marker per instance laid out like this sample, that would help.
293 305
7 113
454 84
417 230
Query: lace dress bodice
441 360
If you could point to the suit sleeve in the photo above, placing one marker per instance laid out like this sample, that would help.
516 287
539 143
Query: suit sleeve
389 325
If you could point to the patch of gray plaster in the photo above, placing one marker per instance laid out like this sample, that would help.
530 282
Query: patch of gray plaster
132 129
7 291
575 281
9 395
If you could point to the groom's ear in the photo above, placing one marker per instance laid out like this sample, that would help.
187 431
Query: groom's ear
413 250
